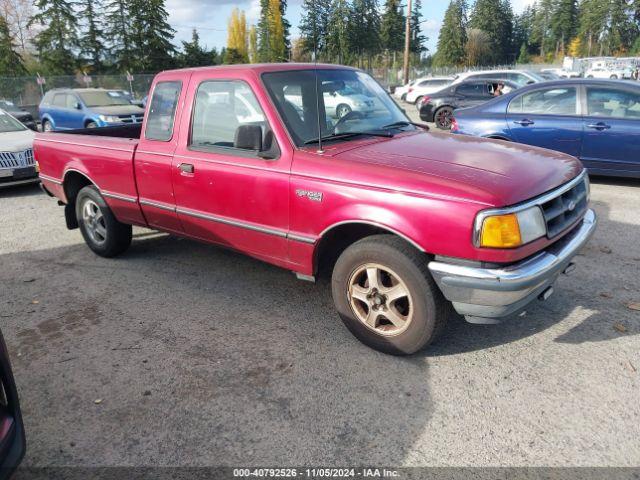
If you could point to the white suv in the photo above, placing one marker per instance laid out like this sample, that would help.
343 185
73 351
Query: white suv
426 86
612 72
521 77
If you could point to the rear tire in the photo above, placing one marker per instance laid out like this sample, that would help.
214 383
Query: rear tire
442 118
386 297
46 126
105 235
418 100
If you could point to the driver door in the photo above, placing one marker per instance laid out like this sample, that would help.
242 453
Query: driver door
226 194
548 118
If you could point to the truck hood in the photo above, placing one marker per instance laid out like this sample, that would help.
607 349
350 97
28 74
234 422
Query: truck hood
491 172
16 141
119 110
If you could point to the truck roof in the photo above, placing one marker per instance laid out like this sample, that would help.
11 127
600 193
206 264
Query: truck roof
264 67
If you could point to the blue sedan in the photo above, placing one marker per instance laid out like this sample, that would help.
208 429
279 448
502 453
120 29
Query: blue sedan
597 121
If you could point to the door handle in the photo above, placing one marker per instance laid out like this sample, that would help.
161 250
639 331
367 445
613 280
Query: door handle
186 168
599 126
525 122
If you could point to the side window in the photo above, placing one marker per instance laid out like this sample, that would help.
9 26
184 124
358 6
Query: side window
71 101
221 108
60 100
162 111
553 101
472 90
610 102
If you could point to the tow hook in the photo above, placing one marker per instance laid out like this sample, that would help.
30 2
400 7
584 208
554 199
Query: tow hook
547 292
570 268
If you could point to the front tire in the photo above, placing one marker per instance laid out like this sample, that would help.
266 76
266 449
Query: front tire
105 235
342 110
418 100
386 297
46 126
91 125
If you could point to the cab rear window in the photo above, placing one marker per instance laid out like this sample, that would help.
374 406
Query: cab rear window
162 111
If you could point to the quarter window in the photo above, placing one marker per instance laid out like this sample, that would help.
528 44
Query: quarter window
162 111
553 101
609 102
221 107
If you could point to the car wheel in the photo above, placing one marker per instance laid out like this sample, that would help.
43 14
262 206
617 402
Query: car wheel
418 100
46 126
343 110
386 297
614 77
589 76
403 97
91 125
443 118
105 235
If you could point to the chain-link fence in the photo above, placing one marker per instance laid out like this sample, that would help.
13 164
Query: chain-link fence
28 91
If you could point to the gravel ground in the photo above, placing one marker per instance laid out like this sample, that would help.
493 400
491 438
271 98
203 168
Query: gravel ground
179 353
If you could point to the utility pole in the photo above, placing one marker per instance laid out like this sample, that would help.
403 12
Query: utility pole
407 43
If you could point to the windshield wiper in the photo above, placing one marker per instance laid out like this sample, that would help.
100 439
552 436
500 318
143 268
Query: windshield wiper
347 135
404 123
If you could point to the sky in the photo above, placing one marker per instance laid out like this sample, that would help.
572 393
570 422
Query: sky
210 17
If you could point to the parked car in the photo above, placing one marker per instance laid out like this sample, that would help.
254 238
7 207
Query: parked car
612 73
549 76
67 109
426 87
17 166
340 100
12 437
128 96
409 223
560 73
401 92
597 121
521 77
19 114
439 107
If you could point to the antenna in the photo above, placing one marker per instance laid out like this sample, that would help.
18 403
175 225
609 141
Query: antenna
315 63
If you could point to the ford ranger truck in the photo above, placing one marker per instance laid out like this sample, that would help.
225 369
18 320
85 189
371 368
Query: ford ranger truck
408 224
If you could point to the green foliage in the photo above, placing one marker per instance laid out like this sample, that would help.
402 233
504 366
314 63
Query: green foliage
91 45
365 28
314 25
417 38
233 56
273 32
152 36
11 63
120 35
338 38
392 27
495 18
453 36
195 55
57 39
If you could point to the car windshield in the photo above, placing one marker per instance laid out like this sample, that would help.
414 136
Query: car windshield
350 102
9 124
102 99
537 76
7 105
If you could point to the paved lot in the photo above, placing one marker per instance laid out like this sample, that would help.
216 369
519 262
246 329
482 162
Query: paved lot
200 356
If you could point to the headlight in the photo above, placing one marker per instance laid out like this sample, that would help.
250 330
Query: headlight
109 118
510 230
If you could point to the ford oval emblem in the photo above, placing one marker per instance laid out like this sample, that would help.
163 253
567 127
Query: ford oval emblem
571 206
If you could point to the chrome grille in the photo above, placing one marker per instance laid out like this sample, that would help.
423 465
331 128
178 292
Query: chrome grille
136 118
562 211
17 159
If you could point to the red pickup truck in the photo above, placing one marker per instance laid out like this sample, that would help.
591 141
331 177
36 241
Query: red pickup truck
316 169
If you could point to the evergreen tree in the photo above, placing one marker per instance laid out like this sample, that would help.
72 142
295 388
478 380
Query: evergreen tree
495 17
11 64
392 27
152 36
194 54
314 25
541 27
564 23
365 29
57 39
119 31
417 38
263 32
453 36
286 26
91 45
338 46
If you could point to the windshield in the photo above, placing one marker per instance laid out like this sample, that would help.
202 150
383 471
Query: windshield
5 104
537 76
102 99
9 124
350 102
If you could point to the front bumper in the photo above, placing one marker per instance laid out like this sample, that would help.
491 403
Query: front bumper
490 293
12 177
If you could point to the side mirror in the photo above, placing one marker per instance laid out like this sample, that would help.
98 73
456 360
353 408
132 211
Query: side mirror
248 137
78 106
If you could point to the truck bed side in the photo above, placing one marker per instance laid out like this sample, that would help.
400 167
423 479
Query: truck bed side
74 158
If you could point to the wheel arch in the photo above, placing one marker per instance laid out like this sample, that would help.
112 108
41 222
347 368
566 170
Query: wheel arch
336 238
72 182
